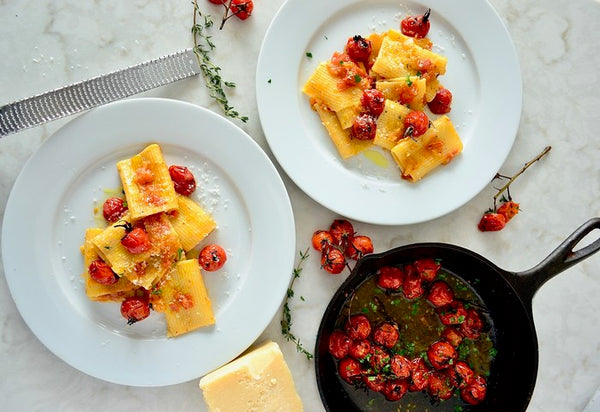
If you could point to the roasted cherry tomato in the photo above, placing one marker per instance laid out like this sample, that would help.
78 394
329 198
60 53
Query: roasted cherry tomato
440 294
217 1
441 102
242 8
379 358
390 277
474 393
464 374
101 273
441 355
136 241
508 209
416 123
113 209
339 344
375 383
492 222
212 257
183 180
452 314
400 366
364 127
358 247
322 240
386 334
358 48
439 386
412 285
419 377
135 308
342 231
358 327
350 370
360 350
452 336
473 325
427 268
416 26
373 102
395 389
333 261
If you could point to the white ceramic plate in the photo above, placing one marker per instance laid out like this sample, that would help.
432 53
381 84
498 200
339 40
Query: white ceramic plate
52 204
482 72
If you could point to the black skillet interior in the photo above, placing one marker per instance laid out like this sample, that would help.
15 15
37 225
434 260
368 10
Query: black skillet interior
513 371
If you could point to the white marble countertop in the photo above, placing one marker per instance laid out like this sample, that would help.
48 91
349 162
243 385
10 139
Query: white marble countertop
47 44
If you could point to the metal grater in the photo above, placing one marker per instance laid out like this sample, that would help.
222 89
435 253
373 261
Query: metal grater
99 90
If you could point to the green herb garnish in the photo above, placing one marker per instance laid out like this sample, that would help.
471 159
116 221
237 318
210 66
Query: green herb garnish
286 318
203 46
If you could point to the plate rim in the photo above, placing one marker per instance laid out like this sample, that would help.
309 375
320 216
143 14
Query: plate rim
284 263
365 211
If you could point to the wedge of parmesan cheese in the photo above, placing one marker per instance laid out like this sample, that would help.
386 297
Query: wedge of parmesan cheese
258 381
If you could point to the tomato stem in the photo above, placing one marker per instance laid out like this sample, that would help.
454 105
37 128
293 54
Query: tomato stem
506 187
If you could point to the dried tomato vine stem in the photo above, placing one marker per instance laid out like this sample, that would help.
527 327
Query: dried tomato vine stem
512 179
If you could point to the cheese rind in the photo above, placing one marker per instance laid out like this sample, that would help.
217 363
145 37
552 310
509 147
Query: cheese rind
258 381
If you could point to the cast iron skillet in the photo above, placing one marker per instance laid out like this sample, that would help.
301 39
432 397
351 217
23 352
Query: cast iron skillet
508 297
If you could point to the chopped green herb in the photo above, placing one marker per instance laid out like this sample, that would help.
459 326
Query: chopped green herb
269 81
357 78
309 55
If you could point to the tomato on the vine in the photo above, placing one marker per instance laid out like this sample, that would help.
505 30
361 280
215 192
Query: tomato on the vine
342 231
359 246
416 26
322 240
242 9
492 222
333 261
212 257
508 209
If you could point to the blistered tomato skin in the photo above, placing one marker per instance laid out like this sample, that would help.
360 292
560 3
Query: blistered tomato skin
101 273
135 309
416 123
212 258
364 127
428 268
400 366
333 261
358 247
358 327
474 393
441 102
360 350
242 9
416 26
390 277
440 294
395 389
386 335
358 48
113 209
339 344
441 355
492 222
350 370
136 241
183 180
373 102
322 240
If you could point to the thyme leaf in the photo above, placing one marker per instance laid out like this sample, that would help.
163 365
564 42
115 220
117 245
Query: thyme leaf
203 46
286 317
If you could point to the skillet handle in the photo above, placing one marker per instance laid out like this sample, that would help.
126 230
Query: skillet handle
559 260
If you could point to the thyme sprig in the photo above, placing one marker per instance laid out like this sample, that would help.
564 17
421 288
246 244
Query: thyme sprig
203 45
286 318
